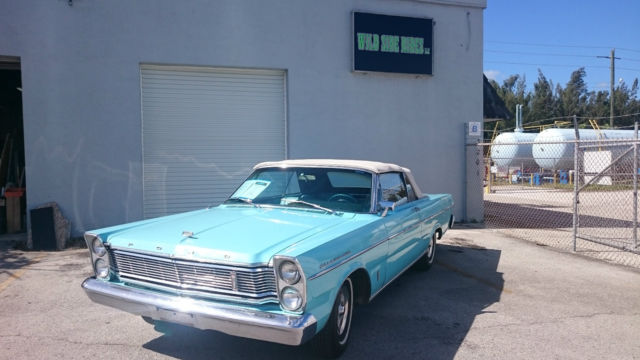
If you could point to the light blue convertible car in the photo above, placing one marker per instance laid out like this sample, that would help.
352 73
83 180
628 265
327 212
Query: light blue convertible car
284 259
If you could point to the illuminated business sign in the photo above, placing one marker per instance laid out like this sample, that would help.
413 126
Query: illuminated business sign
395 44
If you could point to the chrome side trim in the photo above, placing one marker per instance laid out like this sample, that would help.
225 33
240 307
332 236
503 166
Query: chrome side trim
323 272
328 269
232 320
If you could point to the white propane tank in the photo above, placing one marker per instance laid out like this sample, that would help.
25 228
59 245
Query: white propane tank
550 154
515 152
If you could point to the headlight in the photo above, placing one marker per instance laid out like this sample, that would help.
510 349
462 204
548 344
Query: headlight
289 272
98 247
290 282
102 268
291 298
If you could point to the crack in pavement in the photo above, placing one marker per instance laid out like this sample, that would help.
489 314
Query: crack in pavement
75 342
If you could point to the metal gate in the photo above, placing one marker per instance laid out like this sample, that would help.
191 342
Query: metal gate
585 200
606 193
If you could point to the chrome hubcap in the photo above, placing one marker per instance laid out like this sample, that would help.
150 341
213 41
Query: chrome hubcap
343 311
431 249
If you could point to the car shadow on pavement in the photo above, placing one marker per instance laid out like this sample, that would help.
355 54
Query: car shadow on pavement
424 315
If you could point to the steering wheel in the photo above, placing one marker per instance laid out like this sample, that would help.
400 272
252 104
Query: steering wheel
340 197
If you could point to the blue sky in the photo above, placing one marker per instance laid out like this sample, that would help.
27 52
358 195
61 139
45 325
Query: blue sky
559 37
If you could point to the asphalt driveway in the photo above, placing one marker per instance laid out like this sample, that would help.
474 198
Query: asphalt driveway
488 297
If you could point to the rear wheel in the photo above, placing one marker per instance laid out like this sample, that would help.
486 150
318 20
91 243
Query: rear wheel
333 339
426 261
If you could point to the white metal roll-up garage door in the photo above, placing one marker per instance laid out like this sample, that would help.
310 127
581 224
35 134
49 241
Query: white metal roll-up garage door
203 129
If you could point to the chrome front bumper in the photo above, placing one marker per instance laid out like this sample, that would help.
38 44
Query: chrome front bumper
206 315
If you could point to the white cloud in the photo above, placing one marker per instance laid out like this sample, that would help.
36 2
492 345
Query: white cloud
492 74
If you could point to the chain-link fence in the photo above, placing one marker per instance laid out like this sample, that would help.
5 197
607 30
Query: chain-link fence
577 195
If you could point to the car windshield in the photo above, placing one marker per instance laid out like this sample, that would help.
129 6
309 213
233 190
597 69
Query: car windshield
314 188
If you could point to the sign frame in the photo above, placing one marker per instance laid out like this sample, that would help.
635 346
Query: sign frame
354 45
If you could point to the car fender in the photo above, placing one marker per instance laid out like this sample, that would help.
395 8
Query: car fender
325 289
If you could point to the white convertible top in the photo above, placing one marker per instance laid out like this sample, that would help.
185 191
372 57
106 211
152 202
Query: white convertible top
371 166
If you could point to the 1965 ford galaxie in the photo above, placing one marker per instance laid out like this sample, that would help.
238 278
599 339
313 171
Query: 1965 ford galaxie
284 259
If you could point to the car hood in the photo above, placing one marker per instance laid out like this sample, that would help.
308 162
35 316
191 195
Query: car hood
234 234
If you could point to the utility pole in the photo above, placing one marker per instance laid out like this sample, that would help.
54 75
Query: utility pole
612 67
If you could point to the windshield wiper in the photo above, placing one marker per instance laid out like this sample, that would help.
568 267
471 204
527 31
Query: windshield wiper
315 206
244 200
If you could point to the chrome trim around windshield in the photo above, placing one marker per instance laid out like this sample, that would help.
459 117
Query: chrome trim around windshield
230 319
374 194
334 266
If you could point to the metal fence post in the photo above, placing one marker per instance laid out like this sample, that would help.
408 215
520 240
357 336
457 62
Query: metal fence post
576 180
635 185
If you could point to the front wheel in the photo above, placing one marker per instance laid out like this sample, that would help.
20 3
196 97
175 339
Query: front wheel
333 339
426 261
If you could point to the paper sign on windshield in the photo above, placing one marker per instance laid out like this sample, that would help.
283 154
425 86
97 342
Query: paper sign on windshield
251 189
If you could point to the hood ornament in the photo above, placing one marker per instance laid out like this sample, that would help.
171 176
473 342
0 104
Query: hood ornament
188 234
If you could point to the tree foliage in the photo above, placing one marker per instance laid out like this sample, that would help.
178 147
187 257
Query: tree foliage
513 92
575 94
546 102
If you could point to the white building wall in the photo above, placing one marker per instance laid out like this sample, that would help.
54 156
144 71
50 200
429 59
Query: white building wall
81 88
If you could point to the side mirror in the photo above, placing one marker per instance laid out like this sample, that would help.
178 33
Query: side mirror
386 206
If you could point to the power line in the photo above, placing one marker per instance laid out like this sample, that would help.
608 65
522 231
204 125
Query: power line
578 117
538 64
560 45
551 54
606 117
557 65
571 117
549 45
540 54
627 49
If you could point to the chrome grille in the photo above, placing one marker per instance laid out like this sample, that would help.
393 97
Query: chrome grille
253 282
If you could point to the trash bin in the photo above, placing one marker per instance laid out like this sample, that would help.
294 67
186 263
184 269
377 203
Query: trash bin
14 209
3 216
563 177
43 232
537 178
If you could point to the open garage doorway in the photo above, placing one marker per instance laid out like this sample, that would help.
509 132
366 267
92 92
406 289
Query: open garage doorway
12 164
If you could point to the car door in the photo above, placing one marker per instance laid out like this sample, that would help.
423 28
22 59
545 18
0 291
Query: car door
403 224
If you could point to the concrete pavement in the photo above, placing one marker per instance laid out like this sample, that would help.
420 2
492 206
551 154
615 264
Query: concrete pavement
488 297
